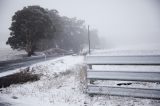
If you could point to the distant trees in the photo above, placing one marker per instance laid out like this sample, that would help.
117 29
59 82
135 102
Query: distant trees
34 28
73 35
29 25
50 42
94 39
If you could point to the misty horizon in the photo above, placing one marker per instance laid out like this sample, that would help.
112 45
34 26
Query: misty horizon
121 23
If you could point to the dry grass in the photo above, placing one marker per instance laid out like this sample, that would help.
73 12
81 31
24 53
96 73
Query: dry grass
81 77
67 72
21 77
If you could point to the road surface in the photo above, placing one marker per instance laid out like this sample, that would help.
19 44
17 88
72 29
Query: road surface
13 64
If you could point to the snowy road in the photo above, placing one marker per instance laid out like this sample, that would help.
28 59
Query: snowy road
5 104
13 64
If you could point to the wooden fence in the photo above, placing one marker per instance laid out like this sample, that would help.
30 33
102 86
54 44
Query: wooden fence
126 75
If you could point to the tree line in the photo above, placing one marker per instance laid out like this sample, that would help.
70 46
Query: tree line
37 29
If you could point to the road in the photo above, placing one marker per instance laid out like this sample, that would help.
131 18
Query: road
13 64
4 104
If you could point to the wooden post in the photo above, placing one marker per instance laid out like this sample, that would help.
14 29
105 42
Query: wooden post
90 66
90 81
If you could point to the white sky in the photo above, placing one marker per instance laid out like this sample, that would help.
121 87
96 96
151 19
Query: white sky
120 21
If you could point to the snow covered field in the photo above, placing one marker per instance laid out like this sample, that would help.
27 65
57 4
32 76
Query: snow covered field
62 84
151 49
114 52
9 54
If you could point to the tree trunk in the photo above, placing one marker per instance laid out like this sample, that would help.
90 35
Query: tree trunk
30 49
30 53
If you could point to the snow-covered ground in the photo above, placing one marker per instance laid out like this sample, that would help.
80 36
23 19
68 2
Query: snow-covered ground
113 52
62 84
129 50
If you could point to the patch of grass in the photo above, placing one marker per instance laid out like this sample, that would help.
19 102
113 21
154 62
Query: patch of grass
21 77
81 77
67 72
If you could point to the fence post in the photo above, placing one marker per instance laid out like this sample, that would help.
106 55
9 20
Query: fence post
90 81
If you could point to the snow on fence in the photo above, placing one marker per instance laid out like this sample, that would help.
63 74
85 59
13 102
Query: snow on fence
128 75
124 60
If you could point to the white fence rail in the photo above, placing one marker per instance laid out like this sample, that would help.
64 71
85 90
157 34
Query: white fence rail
124 91
129 75
123 60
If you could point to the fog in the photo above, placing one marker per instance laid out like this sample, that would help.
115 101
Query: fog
120 22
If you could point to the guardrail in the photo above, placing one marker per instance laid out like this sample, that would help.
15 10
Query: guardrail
127 75
123 60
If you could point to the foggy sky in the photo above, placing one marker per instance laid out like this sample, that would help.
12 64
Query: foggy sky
121 22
